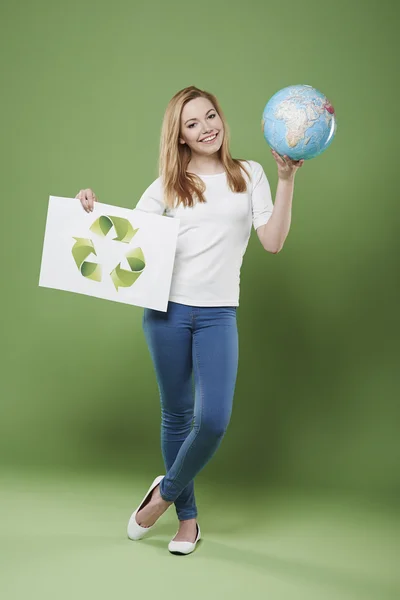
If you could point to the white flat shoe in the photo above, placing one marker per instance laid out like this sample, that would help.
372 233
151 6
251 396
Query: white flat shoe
184 547
136 531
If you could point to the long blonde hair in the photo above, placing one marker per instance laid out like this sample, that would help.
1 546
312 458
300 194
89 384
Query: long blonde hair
179 185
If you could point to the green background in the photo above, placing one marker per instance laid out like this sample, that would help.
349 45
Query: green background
316 408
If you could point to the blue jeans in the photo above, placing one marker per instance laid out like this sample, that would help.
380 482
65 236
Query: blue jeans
204 341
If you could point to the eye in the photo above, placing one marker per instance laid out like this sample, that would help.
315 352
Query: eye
212 115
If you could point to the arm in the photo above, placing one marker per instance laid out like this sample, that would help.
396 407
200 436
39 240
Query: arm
273 234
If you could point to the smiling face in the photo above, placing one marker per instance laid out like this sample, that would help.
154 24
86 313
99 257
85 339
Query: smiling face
199 121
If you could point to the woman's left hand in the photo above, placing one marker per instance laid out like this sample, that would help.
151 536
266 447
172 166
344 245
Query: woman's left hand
287 167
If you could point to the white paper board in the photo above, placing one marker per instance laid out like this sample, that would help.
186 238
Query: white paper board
136 268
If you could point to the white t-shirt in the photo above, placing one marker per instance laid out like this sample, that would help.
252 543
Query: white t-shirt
213 236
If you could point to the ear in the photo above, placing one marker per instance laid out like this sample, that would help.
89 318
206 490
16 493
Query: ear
182 141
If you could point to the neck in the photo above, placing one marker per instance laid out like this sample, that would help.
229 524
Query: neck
206 165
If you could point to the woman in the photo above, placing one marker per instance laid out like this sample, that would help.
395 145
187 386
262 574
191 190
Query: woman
217 199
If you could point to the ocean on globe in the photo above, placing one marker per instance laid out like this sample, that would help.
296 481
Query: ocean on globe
299 121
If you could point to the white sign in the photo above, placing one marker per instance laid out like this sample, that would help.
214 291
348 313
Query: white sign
112 253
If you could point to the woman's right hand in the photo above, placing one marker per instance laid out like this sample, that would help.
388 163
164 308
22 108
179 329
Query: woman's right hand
87 198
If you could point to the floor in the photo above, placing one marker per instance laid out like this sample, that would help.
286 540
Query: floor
63 536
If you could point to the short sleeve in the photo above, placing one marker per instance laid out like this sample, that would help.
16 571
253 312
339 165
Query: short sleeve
261 199
152 199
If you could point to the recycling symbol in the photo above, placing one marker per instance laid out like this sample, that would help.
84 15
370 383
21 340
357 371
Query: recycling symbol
83 247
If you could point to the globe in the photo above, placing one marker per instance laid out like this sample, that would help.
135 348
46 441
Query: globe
299 121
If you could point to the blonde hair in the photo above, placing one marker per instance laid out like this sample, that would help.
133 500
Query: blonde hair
179 185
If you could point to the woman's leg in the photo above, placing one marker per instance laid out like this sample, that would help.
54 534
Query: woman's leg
215 354
169 338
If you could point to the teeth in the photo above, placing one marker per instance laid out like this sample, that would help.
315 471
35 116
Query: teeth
209 138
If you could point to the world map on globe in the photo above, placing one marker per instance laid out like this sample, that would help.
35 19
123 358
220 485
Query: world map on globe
299 121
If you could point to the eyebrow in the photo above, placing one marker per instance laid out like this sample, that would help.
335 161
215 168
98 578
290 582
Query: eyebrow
194 119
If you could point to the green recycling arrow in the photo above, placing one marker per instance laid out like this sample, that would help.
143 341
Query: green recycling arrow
81 249
123 227
125 232
122 277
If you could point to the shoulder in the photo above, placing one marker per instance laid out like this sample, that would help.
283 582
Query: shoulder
255 166
154 186
152 199
155 189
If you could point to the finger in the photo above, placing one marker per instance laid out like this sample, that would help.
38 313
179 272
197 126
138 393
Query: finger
278 157
88 194
79 196
82 198
94 199
298 163
90 198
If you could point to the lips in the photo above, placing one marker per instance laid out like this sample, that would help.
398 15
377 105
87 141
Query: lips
211 141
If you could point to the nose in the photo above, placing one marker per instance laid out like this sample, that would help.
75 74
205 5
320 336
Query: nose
206 130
